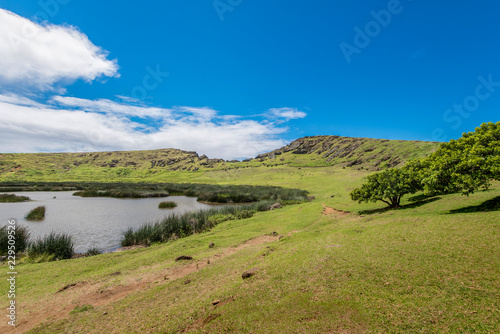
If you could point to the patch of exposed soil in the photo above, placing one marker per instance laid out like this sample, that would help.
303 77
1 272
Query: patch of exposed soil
327 211
204 320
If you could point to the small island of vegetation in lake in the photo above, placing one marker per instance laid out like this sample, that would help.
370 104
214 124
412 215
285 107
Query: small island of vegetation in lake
167 205
12 198
36 214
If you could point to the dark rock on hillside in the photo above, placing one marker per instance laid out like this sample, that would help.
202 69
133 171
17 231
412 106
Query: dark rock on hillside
249 273
275 206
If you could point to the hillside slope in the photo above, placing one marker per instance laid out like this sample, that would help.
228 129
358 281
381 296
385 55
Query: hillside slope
347 151
154 165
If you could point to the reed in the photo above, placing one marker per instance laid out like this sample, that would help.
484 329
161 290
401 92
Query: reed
60 245
178 226
167 205
36 214
120 193
212 193
20 241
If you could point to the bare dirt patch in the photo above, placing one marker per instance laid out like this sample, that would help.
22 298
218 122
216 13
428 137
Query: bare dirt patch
204 320
327 211
67 287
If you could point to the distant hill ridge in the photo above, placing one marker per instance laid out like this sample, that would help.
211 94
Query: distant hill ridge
349 151
313 151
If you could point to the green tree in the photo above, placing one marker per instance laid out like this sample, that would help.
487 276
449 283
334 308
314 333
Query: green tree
389 186
467 164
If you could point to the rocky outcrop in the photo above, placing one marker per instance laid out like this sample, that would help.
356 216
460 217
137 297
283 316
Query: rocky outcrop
331 150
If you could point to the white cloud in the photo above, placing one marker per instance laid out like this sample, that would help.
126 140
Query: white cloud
75 125
198 114
287 113
20 100
108 106
40 56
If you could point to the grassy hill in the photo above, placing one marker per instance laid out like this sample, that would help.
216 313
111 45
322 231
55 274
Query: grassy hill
158 165
327 266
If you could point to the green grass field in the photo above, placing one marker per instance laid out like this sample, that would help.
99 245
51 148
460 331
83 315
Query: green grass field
430 267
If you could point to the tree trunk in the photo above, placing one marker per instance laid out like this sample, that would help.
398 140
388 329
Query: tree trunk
395 201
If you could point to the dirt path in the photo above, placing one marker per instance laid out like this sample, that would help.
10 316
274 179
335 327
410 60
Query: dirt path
331 211
98 294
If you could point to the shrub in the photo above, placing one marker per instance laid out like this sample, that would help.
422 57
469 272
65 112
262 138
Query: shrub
167 205
21 239
58 244
37 213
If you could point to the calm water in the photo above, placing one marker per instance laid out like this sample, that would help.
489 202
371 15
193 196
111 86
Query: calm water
92 222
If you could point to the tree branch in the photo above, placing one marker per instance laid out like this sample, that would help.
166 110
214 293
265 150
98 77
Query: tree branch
385 201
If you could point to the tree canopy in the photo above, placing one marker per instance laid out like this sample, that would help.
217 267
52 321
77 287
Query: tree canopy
388 186
465 165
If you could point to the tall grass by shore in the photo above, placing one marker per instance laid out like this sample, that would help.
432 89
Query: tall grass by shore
50 247
120 194
12 198
211 193
36 214
58 245
21 239
178 226
204 192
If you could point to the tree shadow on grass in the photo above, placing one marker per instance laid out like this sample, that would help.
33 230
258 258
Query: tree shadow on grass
417 202
489 205
420 198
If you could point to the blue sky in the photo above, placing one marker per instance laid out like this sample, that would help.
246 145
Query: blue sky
252 75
